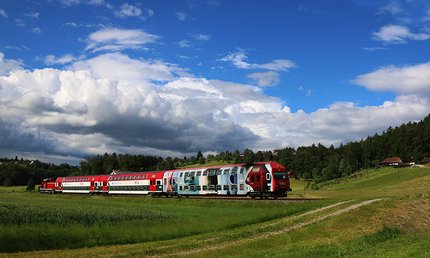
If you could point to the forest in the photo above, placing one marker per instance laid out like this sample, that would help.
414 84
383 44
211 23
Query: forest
409 141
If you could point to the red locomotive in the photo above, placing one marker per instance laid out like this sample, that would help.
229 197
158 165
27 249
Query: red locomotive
47 186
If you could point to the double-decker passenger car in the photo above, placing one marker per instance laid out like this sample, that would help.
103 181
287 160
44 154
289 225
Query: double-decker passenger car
82 184
259 179
136 183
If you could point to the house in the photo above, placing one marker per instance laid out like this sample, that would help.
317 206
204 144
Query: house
393 161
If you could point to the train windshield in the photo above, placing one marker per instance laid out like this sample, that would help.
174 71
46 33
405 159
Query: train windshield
280 175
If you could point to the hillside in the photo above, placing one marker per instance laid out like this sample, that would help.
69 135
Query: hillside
379 213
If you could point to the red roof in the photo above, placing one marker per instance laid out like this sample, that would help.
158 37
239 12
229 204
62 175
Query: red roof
392 160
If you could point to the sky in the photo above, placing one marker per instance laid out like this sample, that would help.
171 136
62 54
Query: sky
170 78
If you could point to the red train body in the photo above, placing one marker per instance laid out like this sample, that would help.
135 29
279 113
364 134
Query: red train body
259 179
47 186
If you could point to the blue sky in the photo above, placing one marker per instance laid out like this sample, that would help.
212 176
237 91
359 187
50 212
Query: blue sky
81 78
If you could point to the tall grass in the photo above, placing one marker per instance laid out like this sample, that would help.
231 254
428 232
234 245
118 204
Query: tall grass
31 221
16 214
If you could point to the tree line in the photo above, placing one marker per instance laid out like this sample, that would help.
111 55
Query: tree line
19 171
410 142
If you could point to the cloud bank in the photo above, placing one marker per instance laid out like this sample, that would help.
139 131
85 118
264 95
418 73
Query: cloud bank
115 103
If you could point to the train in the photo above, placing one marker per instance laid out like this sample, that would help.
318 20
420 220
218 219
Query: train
256 180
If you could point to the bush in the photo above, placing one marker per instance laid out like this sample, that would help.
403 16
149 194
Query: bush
30 185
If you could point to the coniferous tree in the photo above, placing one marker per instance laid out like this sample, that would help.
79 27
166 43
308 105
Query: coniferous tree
30 185
199 155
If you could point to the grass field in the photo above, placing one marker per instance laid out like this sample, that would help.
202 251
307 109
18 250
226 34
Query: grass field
378 213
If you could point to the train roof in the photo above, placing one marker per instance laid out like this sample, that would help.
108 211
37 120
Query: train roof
273 164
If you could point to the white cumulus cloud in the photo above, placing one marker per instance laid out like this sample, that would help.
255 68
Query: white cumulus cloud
239 57
119 67
128 10
414 79
7 65
114 39
397 34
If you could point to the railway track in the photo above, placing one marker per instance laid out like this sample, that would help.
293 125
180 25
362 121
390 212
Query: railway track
245 198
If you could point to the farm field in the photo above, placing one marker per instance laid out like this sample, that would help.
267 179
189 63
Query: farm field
378 213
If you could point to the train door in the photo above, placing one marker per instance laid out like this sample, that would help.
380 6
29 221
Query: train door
212 179
241 180
232 183
175 178
167 182
226 187
159 185
97 186
152 187
152 183
58 184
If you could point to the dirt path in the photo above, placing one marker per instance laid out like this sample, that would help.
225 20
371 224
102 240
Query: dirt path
278 221
282 230
306 214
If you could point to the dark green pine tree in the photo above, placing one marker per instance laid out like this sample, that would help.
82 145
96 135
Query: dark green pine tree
30 185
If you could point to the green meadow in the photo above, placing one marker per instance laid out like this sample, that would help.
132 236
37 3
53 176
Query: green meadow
375 213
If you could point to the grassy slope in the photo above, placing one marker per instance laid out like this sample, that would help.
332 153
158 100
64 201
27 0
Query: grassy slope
397 226
388 182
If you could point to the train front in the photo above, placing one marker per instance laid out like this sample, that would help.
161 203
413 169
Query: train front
281 181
